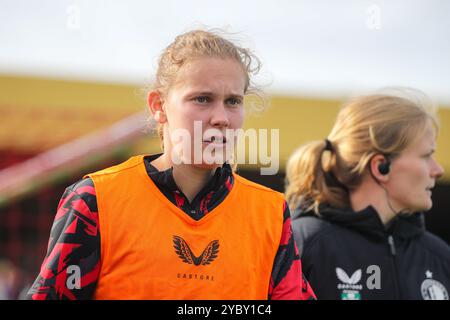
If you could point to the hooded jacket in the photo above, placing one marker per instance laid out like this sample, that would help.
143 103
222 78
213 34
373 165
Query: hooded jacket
353 256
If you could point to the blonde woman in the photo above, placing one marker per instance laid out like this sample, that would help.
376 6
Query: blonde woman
166 226
357 198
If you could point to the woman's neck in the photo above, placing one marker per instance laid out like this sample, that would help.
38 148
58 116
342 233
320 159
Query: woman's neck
189 179
371 194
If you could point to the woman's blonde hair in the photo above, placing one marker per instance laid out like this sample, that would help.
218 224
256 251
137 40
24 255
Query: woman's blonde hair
200 43
368 125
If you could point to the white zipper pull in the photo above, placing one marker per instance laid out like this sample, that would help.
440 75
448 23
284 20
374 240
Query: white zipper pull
391 244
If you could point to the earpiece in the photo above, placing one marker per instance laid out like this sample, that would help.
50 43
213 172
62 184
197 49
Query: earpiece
384 167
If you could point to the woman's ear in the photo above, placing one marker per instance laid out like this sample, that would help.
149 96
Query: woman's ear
379 168
155 103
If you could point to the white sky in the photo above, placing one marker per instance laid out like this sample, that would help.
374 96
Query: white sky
316 47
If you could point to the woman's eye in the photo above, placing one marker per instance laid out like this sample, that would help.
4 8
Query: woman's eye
202 99
234 102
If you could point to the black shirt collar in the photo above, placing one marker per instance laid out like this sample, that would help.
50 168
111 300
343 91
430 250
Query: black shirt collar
210 196
166 180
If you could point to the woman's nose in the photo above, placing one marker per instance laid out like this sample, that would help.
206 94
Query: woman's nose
438 170
219 116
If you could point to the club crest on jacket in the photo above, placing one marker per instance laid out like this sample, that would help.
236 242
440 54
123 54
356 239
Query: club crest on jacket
432 289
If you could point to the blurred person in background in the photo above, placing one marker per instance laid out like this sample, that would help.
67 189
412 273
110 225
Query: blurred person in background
8 280
150 228
357 198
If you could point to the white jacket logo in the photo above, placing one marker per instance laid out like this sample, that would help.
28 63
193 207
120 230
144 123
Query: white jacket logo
349 282
350 286
342 275
350 289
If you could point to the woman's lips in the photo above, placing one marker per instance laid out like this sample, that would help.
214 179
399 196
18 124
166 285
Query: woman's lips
215 140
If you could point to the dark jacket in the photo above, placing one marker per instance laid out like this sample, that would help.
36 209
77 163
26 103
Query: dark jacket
351 255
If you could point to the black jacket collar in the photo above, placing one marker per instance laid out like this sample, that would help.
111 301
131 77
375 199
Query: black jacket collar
368 223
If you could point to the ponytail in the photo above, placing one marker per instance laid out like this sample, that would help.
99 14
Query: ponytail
310 178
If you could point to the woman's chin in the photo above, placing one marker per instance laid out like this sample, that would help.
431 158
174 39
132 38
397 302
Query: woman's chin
206 166
425 206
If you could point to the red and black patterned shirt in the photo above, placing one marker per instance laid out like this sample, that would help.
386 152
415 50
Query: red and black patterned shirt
75 238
